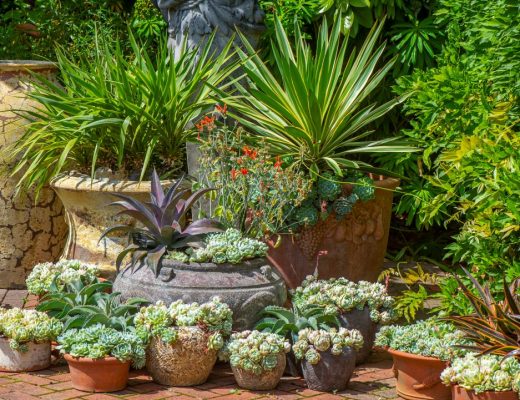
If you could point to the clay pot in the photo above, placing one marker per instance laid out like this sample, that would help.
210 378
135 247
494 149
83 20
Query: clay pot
186 362
360 320
246 287
459 393
98 375
332 373
353 247
418 377
266 381
38 356
30 232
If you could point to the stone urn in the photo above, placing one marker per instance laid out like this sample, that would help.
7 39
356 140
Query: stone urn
30 232
353 247
246 288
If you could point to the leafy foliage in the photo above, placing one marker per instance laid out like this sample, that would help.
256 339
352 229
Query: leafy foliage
148 23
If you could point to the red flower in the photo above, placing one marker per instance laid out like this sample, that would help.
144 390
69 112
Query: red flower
221 109
247 151
278 163
234 174
244 171
208 122
253 155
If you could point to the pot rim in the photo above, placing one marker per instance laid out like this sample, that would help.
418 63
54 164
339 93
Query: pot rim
404 354
225 267
104 360
5 338
456 385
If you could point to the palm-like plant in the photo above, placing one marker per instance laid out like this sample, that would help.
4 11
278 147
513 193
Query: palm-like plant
316 112
164 221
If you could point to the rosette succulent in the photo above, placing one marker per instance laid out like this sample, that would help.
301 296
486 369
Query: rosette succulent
312 342
483 373
23 326
213 317
99 341
429 338
44 275
339 295
256 351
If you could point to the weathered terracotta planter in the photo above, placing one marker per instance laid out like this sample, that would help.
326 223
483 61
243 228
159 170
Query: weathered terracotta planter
459 393
353 247
247 287
186 362
360 320
30 232
418 377
265 381
98 375
38 356
332 373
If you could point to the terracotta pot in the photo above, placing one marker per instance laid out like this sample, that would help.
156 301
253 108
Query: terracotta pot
418 377
30 232
459 393
266 381
98 375
38 356
186 362
360 320
332 373
355 246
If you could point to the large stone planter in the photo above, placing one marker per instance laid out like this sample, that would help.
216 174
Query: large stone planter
353 247
30 232
247 287
37 356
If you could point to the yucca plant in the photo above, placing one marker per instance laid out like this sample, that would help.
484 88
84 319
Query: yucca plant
494 327
315 112
164 222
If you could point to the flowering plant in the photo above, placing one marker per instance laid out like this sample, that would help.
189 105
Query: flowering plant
213 317
43 275
256 351
23 326
311 342
341 295
483 373
429 338
99 341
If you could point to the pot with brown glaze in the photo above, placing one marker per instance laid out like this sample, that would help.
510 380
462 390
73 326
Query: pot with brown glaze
98 375
419 377
267 380
459 393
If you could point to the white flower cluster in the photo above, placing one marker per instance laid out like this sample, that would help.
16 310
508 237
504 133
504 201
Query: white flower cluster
429 338
41 277
256 351
311 342
23 326
339 295
483 373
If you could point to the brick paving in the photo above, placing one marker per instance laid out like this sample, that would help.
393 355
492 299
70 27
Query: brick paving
371 381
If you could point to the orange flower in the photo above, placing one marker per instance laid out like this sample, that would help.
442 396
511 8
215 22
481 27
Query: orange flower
234 174
278 163
221 109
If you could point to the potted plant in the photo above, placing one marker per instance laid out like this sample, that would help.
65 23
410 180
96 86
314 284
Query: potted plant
25 339
99 357
183 339
481 377
322 127
362 305
421 352
173 258
328 357
257 359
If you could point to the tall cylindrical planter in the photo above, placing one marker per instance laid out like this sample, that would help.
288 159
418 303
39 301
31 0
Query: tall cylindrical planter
353 247
29 232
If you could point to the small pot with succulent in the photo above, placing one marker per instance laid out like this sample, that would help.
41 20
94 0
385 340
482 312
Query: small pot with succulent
328 357
362 305
25 339
99 357
421 352
257 358
183 339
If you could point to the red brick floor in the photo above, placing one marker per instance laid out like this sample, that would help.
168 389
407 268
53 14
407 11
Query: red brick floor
371 381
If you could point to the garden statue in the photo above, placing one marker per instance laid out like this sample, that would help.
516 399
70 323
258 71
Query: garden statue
195 20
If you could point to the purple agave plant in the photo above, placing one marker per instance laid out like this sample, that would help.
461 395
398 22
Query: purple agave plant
164 224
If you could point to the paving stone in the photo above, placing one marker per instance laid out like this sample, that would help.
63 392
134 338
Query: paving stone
33 379
17 396
27 388
64 395
99 396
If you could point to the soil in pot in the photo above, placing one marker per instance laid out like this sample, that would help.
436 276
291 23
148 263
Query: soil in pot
459 393
266 381
332 373
98 375
360 320
186 362
418 377
37 356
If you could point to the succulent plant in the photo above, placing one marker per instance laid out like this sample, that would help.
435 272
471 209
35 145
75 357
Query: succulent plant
328 187
165 224
306 214
343 205
23 326
364 189
312 342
